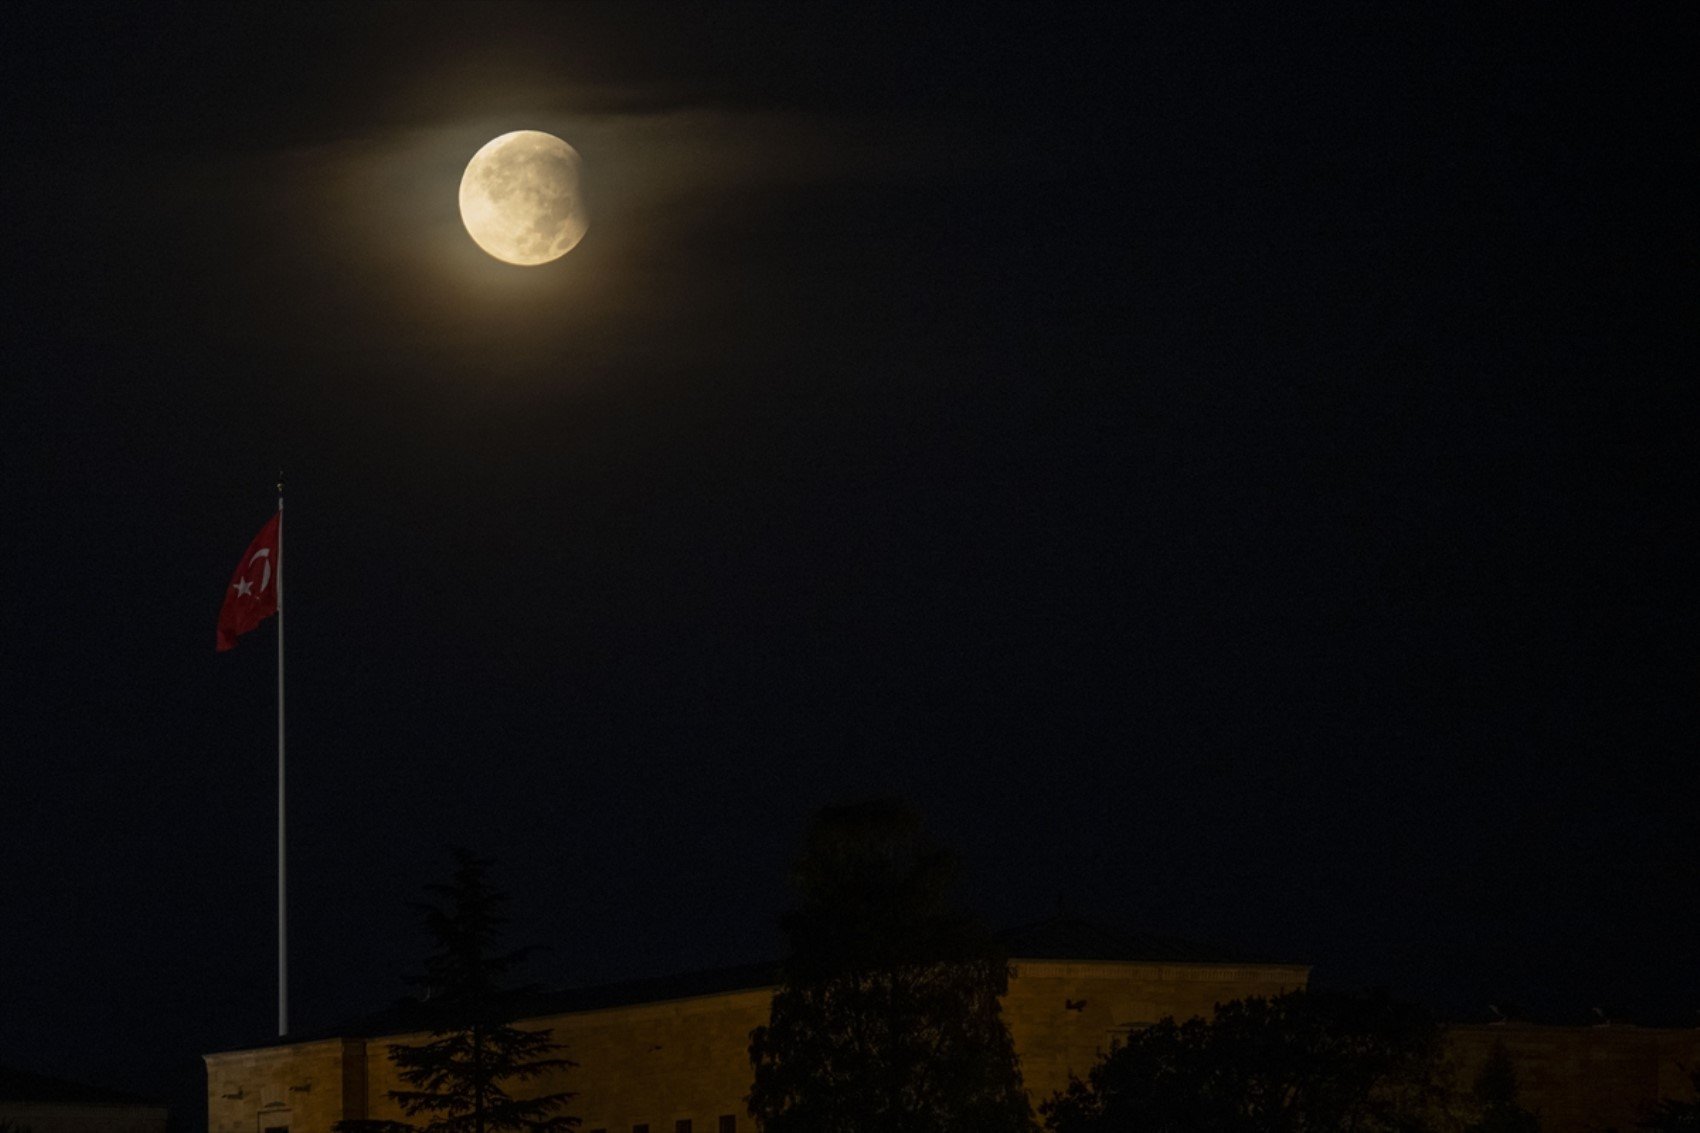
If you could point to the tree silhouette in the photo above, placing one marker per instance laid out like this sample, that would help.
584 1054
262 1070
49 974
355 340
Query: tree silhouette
1672 1116
887 1014
461 1076
1302 1061
1495 1093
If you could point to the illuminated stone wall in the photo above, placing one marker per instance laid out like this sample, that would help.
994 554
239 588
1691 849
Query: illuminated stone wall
659 1063
1063 1014
1581 1079
649 1062
299 1087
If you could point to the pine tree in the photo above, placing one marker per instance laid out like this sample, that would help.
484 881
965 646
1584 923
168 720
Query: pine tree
887 1016
1495 1093
461 1076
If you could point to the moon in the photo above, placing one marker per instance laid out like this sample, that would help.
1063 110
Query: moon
520 199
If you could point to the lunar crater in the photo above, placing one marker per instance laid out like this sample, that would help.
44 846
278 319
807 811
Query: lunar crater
520 198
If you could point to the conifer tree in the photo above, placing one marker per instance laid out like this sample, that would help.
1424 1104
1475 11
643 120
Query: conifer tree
1495 1092
461 1077
887 1015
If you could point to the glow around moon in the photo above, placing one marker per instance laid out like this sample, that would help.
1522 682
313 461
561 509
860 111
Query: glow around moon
520 199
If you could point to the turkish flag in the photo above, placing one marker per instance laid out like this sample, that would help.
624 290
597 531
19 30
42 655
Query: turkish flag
252 597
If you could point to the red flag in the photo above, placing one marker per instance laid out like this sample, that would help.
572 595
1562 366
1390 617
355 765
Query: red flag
252 597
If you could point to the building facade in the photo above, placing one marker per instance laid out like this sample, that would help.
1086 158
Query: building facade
1589 1078
673 1056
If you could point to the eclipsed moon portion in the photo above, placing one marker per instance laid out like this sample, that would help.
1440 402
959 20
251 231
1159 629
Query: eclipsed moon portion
520 199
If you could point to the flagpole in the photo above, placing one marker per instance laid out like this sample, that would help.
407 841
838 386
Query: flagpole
282 872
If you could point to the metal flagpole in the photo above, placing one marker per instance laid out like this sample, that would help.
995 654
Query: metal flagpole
282 873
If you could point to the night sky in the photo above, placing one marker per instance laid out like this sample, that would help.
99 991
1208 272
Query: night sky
1225 466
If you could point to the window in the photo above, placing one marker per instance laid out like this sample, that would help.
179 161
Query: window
683 1125
643 1128
728 1123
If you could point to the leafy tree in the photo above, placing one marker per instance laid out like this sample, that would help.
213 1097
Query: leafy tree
1495 1093
461 1076
1293 1063
1672 1116
887 1013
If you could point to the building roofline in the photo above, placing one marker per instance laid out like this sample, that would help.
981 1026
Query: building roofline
410 1016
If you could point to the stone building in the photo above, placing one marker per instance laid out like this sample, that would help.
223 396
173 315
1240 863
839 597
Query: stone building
40 1104
671 1055
1582 1079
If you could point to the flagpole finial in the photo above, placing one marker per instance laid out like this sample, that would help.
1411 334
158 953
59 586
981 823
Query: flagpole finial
280 481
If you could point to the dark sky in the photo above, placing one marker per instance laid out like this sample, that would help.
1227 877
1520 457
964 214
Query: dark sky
1226 467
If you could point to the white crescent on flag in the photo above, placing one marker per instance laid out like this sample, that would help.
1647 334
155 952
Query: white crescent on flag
250 598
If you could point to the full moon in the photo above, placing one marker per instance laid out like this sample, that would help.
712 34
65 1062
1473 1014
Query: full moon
520 199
